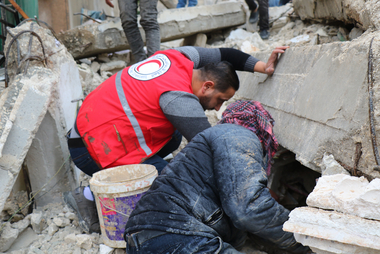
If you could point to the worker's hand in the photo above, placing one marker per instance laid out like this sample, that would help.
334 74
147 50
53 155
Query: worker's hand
272 61
109 3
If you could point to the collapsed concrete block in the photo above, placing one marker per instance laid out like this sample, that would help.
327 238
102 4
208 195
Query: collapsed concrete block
45 113
91 40
347 194
334 232
359 12
32 100
318 96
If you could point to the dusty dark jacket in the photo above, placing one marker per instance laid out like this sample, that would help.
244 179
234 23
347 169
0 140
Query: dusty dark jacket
216 186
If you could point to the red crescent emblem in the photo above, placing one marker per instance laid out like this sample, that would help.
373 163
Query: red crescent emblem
148 62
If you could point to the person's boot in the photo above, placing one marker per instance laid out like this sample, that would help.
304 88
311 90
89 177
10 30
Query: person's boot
84 208
264 34
254 17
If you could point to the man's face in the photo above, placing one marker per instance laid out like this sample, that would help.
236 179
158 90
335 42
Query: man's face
213 99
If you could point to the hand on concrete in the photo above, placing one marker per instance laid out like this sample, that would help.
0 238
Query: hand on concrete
272 61
109 3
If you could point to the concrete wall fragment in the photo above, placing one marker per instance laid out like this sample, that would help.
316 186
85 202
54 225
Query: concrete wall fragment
332 232
33 101
90 40
43 114
359 12
318 97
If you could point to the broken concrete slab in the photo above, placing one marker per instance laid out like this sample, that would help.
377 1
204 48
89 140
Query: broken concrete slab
334 232
43 112
91 40
33 100
318 97
347 194
358 12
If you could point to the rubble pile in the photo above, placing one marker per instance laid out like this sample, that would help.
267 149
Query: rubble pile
54 227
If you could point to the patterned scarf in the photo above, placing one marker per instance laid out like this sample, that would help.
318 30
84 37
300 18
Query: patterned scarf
252 115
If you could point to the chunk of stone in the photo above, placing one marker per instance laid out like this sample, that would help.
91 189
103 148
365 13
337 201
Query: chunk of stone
21 198
330 166
10 206
22 224
71 238
347 194
238 34
104 249
112 67
7 237
52 229
70 216
38 222
61 222
84 241
355 33
95 66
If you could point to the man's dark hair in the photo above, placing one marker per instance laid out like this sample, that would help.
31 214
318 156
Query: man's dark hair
222 74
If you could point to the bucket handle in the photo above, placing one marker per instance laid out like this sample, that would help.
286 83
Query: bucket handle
112 208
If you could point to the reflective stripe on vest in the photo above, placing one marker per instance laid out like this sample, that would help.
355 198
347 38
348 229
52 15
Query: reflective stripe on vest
129 113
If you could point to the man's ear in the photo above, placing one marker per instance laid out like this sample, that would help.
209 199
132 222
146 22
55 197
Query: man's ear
208 86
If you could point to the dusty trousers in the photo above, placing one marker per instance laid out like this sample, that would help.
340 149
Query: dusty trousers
263 12
128 16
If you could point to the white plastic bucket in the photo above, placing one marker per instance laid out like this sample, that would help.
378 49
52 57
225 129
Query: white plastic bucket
116 191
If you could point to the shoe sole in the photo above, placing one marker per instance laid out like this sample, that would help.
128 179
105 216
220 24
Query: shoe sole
70 201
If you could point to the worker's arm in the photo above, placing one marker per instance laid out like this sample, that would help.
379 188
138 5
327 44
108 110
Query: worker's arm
239 60
185 112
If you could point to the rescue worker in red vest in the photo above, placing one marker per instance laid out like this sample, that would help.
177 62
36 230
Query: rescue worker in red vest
140 114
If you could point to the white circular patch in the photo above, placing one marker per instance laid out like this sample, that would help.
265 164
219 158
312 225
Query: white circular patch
150 68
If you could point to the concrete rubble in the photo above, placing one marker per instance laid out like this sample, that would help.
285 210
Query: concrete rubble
36 111
90 40
318 97
323 95
359 12
342 217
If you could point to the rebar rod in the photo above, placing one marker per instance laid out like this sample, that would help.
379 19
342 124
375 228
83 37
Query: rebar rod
371 110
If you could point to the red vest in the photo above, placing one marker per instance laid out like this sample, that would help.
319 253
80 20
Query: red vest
121 121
